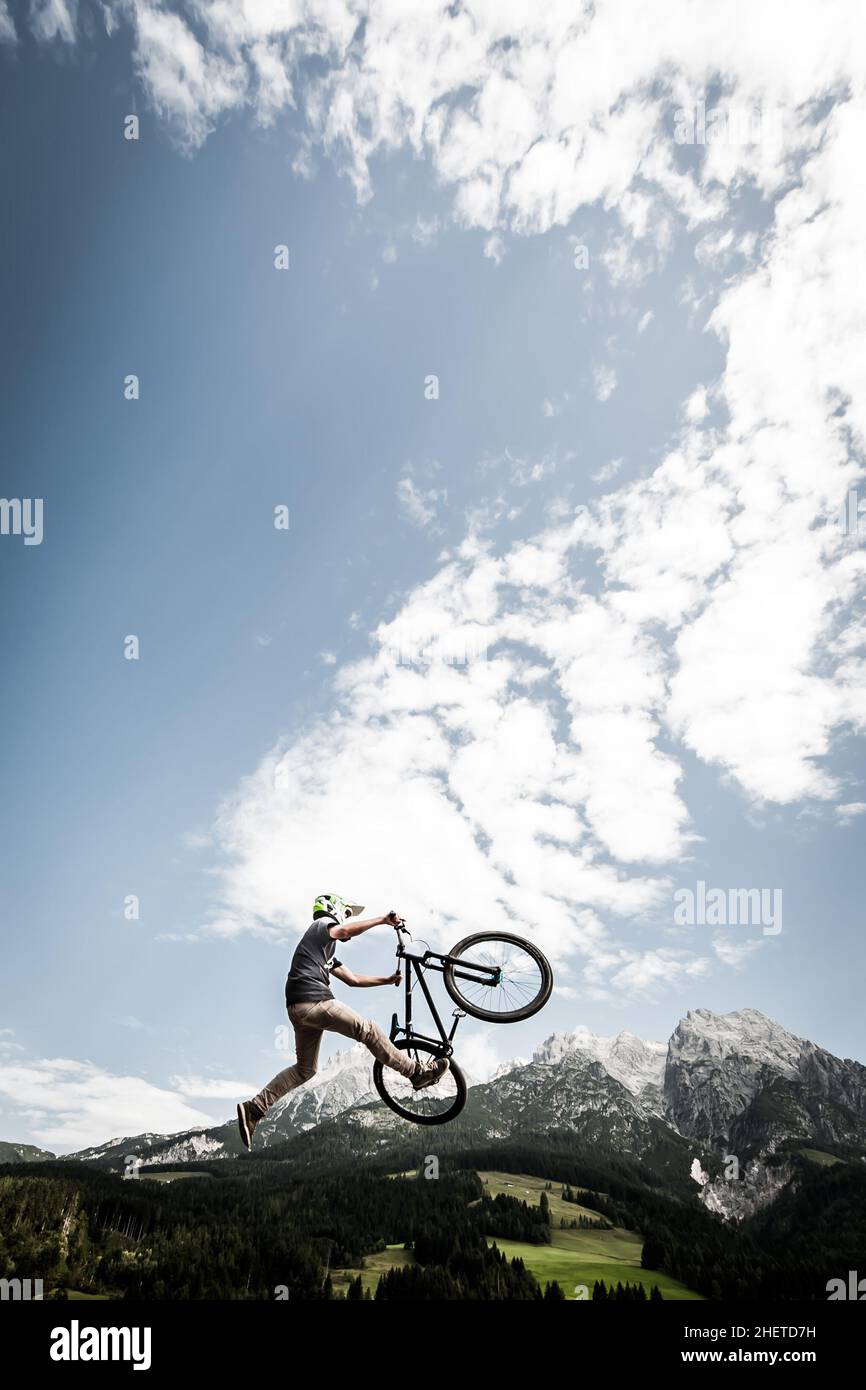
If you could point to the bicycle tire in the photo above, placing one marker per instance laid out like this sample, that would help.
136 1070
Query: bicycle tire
382 1074
494 1015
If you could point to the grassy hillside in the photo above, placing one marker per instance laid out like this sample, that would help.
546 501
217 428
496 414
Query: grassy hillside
581 1256
818 1156
528 1188
495 1225
176 1176
392 1257
574 1257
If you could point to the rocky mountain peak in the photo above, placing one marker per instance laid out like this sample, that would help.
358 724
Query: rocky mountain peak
736 1083
505 1067
626 1057
746 1033
718 1063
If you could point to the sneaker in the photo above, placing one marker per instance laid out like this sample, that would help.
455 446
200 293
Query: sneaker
249 1115
429 1073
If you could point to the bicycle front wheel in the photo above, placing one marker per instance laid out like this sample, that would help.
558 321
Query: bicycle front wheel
434 1105
521 987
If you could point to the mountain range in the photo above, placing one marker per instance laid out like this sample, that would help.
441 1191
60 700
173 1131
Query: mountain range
23 1153
725 1103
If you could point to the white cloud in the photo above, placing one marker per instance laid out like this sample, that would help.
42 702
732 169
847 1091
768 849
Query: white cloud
603 382
494 249
629 261
53 19
717 249
68 1105
478 1057
734 953
545 775
420 505
608 470
212 1088
850 810
7 25
425 230
517 107
697 405
466 758
522 470
646 973
717 589
552 406
190 86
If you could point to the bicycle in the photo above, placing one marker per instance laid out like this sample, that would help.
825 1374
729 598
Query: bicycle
512 984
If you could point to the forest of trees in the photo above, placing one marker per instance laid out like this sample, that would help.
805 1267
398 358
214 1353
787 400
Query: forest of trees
466 1273
511 1219
221 1236
813 1231
242 1231
624 1293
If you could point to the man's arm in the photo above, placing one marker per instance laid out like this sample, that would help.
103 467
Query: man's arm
348 929
348 977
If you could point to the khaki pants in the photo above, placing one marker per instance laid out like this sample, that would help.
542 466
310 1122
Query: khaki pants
309 1022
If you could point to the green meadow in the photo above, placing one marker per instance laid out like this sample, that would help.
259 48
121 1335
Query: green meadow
391 1257
818 1156
574 1257
144 1176
528 1189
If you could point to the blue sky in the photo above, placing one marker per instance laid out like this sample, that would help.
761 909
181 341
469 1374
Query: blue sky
614 516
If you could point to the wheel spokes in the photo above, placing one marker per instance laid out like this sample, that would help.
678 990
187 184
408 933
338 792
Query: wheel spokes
520 982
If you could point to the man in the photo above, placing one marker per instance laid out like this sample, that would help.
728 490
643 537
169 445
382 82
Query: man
313 1009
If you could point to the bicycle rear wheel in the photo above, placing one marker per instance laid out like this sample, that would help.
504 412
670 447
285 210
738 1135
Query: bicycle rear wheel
522 988
435 1105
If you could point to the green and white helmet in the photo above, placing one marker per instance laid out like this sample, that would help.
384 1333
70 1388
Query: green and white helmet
331 905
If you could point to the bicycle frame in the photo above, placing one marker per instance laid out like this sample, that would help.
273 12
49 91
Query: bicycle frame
434 960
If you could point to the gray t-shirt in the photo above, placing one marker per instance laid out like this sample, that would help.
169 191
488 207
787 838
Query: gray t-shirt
312 963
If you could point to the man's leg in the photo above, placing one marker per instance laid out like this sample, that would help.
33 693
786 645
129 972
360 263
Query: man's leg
339 1018
308 1039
